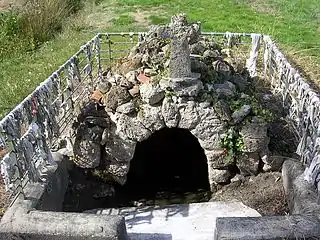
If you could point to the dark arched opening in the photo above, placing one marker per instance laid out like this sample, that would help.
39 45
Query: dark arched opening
171 160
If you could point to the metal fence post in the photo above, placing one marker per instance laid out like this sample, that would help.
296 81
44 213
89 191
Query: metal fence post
98 54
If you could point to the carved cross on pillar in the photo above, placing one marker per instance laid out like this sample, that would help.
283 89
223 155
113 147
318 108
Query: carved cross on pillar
181 34
181 80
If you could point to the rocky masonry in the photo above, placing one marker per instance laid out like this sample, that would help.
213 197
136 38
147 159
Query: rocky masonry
175 78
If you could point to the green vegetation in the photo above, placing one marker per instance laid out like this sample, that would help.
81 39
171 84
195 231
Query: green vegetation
233 143
123 20
35 23
158 19
2 211
37 39
102 175
257 109
170 93
32 46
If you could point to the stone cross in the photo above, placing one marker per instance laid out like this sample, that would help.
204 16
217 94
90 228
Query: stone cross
181 34
181 80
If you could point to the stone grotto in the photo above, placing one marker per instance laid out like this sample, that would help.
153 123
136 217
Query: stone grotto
177 110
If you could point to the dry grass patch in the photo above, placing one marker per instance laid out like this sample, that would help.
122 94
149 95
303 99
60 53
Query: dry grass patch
260 6
6 4
140 17
307 64
4 200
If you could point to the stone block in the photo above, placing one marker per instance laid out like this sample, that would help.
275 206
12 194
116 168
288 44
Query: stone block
267 228
248 163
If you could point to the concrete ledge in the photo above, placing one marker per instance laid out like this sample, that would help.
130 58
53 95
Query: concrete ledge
268 228
303 203
47 195
52 196
24 220
63 226
302 197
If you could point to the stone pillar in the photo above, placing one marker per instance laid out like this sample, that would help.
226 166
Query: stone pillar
181 80
180 64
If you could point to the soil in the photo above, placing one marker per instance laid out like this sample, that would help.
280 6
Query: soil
4 200
6 4
140 17
263 193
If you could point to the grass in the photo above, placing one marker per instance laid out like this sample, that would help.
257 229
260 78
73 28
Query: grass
27 46
158 20
123 20
20 75
293 23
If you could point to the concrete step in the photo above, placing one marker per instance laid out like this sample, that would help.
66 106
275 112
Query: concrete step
195 221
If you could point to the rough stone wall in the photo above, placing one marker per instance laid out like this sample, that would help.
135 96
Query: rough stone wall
304 106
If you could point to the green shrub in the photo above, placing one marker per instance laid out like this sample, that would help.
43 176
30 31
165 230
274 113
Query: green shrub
97 2
10 39
158 19
233 142
35 23
9 24
75 5
42 19
257 108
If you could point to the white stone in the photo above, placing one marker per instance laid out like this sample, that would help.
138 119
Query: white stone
211 143
87 148
190 86
118 148
151 117
151 94
196 221
237 178
126 108
131 77
239 115
130 128
170 112
217 158
217 176
150 72
208 127
189 115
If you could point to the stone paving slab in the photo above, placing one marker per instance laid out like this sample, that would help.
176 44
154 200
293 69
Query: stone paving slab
194 221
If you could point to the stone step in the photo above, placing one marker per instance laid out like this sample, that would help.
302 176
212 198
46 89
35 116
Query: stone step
194 221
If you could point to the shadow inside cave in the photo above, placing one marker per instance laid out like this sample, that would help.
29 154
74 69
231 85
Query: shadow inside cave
168 164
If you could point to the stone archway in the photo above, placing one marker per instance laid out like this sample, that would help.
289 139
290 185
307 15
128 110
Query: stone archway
170 160
126 130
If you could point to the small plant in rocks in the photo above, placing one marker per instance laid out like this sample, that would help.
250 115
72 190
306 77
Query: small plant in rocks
257 109
233 142
101 174
169 92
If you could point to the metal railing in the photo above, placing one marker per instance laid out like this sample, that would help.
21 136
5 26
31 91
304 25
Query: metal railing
35 125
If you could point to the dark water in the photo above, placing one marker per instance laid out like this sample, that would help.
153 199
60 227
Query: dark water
170 167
